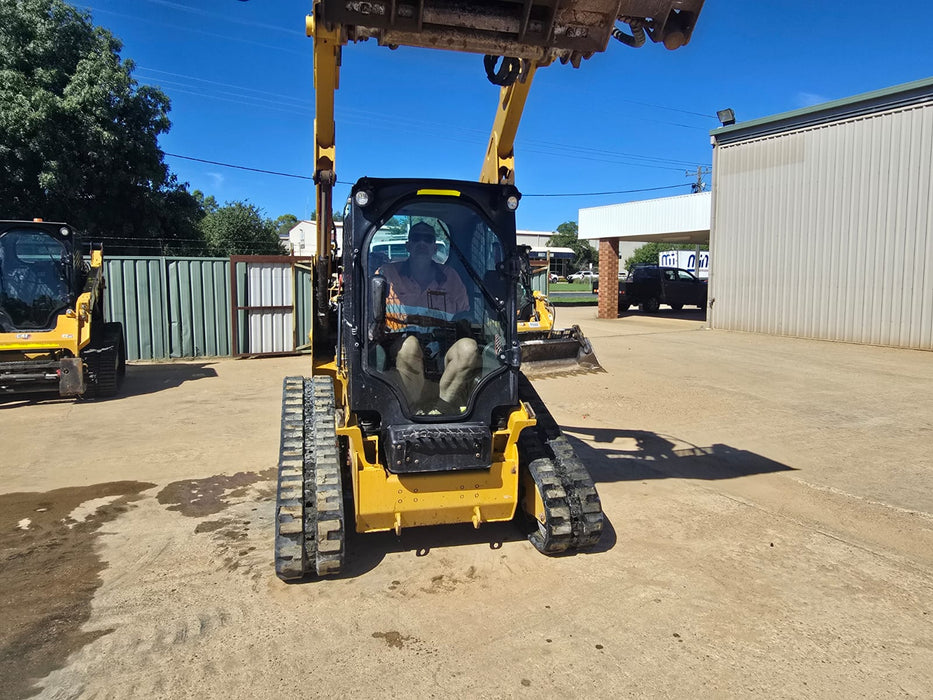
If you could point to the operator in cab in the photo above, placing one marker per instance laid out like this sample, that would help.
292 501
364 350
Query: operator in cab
427 322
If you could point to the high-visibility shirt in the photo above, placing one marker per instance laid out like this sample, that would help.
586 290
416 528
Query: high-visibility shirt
413 308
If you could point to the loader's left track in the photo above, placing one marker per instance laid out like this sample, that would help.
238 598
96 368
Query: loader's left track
309 517
573 517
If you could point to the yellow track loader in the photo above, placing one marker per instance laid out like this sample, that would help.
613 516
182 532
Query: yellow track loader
53 336
546 348
359 446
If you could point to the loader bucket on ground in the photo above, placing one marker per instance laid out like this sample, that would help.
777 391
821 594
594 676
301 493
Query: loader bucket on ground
558 353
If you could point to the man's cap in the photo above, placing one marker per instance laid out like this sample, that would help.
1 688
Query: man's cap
422 230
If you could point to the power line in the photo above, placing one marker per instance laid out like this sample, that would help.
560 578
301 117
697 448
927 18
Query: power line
672 109
276 95
345 182
596 194
279 102
295 31
241 167
225 37
699 185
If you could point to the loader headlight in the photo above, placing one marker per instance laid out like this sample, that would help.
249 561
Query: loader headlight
363 198
512 202
64 230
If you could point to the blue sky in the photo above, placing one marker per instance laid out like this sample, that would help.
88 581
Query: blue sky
239 75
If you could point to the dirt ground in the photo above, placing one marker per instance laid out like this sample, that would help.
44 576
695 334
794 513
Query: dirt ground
770 534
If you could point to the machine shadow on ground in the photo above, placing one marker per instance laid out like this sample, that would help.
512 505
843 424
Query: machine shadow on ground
634 455
140 379
16 400
151 378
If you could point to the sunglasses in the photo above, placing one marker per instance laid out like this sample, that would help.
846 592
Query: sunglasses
421 239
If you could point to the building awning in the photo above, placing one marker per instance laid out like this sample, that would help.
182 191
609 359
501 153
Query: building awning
683 219
541 253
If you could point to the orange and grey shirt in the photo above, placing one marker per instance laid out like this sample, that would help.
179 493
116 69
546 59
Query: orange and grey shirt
413 308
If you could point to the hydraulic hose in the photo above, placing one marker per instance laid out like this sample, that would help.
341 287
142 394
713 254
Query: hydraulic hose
507 73
637 39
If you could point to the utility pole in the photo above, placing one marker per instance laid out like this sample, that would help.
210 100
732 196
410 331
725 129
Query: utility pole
699 185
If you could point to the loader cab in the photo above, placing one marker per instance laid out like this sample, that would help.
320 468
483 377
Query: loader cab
40 270
454 313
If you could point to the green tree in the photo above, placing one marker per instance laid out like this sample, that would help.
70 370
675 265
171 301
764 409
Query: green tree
648 253
174 223
238 228
78 135
336 216
566 236
207 202
284 224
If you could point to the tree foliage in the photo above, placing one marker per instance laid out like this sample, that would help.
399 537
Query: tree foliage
78 135
648 253
335 215
79 143
284 224
238 228
566 236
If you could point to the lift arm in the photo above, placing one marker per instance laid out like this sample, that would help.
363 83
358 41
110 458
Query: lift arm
532 34
499 165
327 48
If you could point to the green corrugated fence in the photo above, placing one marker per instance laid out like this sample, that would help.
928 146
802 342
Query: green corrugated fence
170 307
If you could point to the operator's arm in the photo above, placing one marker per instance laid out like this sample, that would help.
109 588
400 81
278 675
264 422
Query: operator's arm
458 301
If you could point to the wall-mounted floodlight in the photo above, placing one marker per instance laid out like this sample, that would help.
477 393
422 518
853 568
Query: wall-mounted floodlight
726 117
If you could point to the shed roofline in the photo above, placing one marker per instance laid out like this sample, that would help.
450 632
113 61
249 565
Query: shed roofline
672 198
902 95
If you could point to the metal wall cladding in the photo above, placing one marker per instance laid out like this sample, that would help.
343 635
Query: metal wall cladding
539 281
827 231
170 307
270 320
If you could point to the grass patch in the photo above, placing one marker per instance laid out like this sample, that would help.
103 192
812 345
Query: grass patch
588 300
584 287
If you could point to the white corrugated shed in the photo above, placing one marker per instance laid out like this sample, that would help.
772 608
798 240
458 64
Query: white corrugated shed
271 323
823 221
685 218
302 238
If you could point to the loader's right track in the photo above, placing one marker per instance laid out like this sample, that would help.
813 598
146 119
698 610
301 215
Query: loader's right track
573 513
309 515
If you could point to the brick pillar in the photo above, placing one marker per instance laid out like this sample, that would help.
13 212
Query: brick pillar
608 274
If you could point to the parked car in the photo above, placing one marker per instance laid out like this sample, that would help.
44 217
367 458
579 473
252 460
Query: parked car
649 286
583 276
553 277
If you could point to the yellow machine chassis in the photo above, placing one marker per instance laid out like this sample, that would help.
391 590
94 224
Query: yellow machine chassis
543 316
384 501
72 330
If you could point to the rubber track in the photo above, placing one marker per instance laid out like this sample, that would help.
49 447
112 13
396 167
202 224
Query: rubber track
545 443
108 361
289 506
554 535
102 359
325 533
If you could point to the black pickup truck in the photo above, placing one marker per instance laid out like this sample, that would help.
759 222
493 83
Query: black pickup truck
649 286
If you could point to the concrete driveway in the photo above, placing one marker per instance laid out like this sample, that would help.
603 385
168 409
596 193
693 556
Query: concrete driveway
770 534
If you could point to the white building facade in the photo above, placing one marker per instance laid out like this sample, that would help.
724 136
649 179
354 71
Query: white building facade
302 238
822 221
